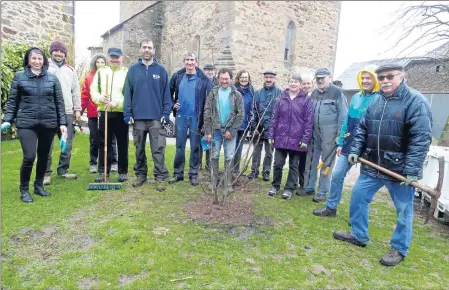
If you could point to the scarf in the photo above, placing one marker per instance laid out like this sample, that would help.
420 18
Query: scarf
242 89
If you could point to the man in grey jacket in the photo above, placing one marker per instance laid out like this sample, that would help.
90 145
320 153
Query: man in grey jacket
72 100
329 108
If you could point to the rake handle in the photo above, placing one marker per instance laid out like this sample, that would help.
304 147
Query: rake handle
399 177
106 135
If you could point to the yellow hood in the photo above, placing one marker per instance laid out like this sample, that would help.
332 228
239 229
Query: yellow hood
371 70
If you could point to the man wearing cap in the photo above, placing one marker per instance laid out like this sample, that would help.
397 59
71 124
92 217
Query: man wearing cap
107 92
394 133
189 87
148 105
260 118
369 86
329 111
210 71
72 101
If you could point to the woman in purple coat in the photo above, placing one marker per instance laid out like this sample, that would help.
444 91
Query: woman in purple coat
290 132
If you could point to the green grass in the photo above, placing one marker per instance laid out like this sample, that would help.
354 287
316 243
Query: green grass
142 239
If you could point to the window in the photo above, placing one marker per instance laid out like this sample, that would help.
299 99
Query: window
438 68
289 40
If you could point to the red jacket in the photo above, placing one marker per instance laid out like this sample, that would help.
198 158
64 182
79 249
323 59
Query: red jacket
86 100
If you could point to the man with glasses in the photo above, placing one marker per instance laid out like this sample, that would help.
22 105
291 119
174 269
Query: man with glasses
190 87
394 133
260 118
329 111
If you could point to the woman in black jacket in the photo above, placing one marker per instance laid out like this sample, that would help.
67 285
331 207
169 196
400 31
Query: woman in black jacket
36 104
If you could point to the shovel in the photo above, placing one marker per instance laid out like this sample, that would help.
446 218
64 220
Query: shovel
434 193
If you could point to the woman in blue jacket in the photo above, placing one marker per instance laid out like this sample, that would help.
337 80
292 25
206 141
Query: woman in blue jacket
244 86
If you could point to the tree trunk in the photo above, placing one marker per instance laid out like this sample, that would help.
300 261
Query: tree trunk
444 139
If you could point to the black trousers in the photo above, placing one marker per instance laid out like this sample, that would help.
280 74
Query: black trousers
302 167
94 141
117 127
34 141
279 161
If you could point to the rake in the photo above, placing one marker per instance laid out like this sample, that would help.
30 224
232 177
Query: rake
105 185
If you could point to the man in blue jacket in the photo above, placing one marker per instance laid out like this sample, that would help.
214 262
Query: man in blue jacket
260 118
147 105
395 133
190 87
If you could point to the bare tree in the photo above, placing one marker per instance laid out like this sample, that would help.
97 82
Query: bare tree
421 25
221 197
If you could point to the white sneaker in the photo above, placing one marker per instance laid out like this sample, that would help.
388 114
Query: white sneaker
114 167
47 180
93 169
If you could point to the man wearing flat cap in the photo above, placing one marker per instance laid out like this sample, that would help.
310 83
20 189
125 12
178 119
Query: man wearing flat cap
72 103
210 71
260 119
329 112
394 133
107 92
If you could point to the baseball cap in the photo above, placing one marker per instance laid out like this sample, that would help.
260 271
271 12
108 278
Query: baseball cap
113 51
322 72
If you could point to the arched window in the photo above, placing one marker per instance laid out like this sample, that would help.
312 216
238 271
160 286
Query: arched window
289 38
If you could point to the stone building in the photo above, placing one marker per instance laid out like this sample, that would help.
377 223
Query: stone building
32 21
285 36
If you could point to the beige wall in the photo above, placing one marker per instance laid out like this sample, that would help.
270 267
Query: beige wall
424 77
260 32
31 21
210 20
129 8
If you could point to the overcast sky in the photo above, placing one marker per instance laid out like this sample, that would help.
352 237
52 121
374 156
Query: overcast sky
361 36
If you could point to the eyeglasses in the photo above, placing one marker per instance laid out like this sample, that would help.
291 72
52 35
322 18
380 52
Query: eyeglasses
243 78
389 77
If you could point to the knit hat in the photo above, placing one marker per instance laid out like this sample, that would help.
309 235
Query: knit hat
58 45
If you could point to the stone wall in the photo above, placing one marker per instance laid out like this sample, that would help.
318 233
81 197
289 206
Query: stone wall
130 8
32 21
201 27
260 34
424 77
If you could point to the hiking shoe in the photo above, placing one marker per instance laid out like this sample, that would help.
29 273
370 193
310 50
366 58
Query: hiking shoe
287 194
100 178
93 169
266 177
69 175
175 178
122 177
348 237
194 180
25 195
319 197
47 180
139 182
392 258
273 191
114 167
325 211
303 192
252 175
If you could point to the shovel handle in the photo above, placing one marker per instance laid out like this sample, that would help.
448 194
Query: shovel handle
399 177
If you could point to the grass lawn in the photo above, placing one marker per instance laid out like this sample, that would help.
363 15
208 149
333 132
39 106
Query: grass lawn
144 239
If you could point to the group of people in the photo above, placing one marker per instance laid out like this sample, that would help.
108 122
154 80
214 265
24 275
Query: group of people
387 123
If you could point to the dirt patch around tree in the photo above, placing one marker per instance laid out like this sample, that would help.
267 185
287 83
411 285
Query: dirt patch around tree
237 210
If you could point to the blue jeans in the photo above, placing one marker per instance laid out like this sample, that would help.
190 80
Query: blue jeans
338 177
228 146
238 151
402 196
182 124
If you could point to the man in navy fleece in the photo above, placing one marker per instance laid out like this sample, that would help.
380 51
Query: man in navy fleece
147 105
